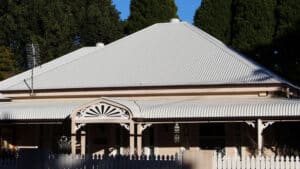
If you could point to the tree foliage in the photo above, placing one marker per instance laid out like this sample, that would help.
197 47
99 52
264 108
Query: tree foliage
58 26
215 17
147 12
288 16
13 31
286 40
266 30
55 32
7 62
98 21
253 24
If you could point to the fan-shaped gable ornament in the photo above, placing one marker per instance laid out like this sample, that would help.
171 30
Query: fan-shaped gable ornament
103 110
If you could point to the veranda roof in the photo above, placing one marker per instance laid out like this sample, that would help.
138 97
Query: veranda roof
208 108
38 110
1 96
215 108
164 54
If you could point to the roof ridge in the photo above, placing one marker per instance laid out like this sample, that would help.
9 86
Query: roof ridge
243 59
75 59
214 41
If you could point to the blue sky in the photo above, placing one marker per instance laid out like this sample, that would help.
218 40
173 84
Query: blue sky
186 8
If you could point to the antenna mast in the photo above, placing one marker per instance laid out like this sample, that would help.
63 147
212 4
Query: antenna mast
33 59
33 65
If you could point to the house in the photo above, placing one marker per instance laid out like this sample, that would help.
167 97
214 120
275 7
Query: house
168 88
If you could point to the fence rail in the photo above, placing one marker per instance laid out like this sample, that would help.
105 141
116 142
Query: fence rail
63 161
260 162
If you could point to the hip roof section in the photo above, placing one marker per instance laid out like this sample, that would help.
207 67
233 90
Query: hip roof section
164 54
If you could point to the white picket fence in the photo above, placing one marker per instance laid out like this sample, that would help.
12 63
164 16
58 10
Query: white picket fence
65 161
259 162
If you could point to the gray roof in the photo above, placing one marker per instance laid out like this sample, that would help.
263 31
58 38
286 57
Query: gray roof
1 96
215 108
163 54
38 110
44 68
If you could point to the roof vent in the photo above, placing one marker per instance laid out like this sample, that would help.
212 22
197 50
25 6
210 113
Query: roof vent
174 20
100 44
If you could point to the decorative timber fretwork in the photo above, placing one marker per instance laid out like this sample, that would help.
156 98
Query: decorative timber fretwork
78 126
102 110
264 124
126 126
267 124
250 123
145 126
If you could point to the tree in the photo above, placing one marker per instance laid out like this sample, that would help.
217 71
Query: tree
13 30
58 26
288 16
215 17
147 12
266 30
58 30
286 43
98 21
253 25
7 62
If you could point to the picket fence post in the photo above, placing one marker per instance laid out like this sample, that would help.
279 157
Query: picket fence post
215 161
267 163
219 165
66 161
297 163
243 163
238 162
259 162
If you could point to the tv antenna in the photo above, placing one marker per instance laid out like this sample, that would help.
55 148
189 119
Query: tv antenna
33 59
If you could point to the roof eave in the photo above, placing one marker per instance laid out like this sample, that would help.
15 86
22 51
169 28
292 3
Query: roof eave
155 87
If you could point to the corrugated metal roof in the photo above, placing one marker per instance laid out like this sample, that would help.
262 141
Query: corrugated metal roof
161 55
38 110
160 109
1 96
217 108
44 68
